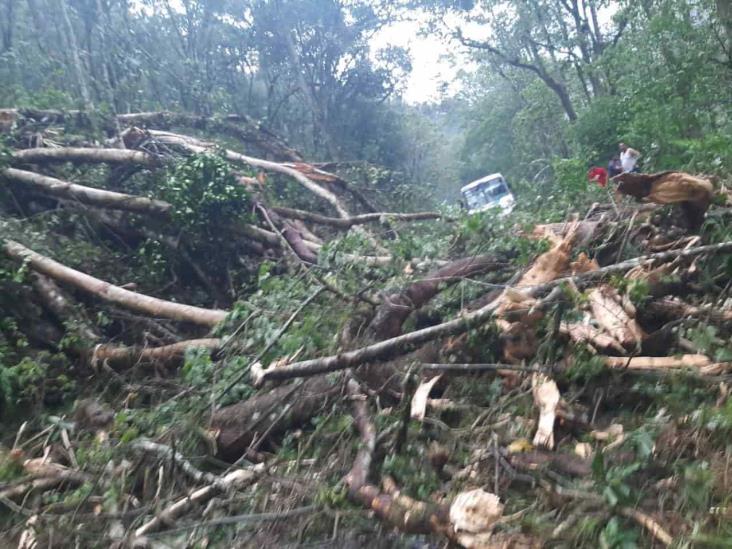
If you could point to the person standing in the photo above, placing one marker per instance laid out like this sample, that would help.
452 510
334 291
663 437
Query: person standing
628 158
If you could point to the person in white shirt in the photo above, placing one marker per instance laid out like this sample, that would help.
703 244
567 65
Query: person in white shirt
628 158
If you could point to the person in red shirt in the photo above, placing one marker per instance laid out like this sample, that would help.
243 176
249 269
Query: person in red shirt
597 175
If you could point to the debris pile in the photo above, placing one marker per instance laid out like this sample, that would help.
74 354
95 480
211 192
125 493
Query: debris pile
256 358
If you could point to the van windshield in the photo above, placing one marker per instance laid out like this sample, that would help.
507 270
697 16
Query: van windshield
485 193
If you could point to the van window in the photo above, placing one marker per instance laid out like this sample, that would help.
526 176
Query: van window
485 193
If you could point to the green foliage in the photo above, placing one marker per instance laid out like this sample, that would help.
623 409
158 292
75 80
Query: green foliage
707 339
616 535
585 366
21 383
419 481
204 194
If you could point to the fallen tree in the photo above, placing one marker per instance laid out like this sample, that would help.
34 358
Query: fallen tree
104 290
402 344
520 367
84 155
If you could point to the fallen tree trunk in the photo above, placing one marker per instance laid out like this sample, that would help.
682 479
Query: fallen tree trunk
197 146
240 127
693 193
62 309
346 223
271 413
88 195
397 307
111 200
82 155
121 357
403 343
132 300
675 308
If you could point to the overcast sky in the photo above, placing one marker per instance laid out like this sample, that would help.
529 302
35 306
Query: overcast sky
432 71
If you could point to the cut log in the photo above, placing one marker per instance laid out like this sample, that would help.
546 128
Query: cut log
546 398
611 316
104 290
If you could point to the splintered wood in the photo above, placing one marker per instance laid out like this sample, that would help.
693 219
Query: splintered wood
615 316
546 398
693 193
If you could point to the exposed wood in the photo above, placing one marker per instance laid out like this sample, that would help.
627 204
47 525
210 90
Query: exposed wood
402 344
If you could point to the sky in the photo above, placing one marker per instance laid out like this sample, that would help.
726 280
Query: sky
432 70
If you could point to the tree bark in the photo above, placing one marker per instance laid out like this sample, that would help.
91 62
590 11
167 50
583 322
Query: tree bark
346 223
104 290
397 307
88 195
240 127
167 356
80 155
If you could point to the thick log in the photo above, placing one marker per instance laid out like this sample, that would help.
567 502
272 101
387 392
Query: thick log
120 357
675 308
132 300
111 200
693 193
272 412
397 307
87 195
82 155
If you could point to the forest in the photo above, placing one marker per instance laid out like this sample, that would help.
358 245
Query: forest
244 303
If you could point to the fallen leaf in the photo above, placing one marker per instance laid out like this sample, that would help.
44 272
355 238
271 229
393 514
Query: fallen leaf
519 445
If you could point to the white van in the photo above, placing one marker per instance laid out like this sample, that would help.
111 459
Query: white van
488 192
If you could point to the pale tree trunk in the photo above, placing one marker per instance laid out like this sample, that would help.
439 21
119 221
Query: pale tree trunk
104 290
724 12
76 58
